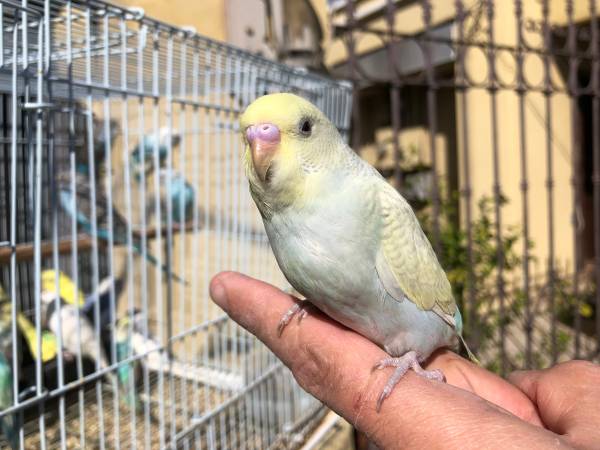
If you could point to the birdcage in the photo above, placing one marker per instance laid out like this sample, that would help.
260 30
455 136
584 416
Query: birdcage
121 194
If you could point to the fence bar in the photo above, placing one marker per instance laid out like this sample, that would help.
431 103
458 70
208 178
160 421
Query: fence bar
470 307
524 184
395 100
432 119
595 76
576 181
496 187
350 45
548 91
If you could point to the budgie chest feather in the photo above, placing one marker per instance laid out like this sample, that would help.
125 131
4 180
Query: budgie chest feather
329 255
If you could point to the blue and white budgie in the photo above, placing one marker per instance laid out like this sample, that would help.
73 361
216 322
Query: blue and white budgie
145 149
183 196
79 206
344 238
143 343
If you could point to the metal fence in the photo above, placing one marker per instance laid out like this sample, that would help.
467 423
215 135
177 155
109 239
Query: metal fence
486 115
121 194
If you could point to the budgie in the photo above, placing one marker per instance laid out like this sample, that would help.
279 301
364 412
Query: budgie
66 287
143 343
155 356
145 148
27 330
87 303
126 371
103 297
76 330
71 299
183 196
81 210
10 423
345 238
101 142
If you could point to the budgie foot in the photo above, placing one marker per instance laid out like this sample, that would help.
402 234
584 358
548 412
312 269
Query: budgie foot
409 360
297 310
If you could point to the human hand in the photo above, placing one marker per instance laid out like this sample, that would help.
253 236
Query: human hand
567 397
476 409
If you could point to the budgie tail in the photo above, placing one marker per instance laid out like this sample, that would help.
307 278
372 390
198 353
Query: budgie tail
152 259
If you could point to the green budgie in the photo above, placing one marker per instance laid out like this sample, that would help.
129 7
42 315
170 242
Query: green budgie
10 424
126 371
344 238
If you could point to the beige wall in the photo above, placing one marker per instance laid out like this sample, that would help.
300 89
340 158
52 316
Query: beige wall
207 16
248 30
407 20
243 23
581 10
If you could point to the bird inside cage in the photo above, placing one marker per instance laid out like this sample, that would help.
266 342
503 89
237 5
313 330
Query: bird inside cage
77 332
127 371
142 156
182 195
103 133
78 312
9 423
109 228
70 294
25 332
142 341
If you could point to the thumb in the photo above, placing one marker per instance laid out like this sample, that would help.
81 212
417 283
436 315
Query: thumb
567 397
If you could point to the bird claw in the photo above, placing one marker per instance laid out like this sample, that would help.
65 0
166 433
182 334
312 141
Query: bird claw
409 360
377 367
298 310
302 314
382 364
384 394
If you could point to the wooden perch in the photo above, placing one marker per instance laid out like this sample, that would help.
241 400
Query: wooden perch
25 251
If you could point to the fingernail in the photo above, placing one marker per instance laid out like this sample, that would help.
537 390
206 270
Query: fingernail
218 293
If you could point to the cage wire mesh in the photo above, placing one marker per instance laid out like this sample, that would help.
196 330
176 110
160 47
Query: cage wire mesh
122 193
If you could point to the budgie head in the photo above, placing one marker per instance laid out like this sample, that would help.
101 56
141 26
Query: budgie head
144 150
291 148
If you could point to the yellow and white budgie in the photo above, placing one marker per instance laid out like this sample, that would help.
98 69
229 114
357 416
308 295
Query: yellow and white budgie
344 238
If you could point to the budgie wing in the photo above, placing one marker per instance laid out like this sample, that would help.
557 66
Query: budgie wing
406 264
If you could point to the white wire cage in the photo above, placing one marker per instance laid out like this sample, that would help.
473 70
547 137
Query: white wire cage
121 194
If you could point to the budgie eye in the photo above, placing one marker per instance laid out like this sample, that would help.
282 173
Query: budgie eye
305 127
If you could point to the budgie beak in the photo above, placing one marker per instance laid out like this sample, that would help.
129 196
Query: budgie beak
264 141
